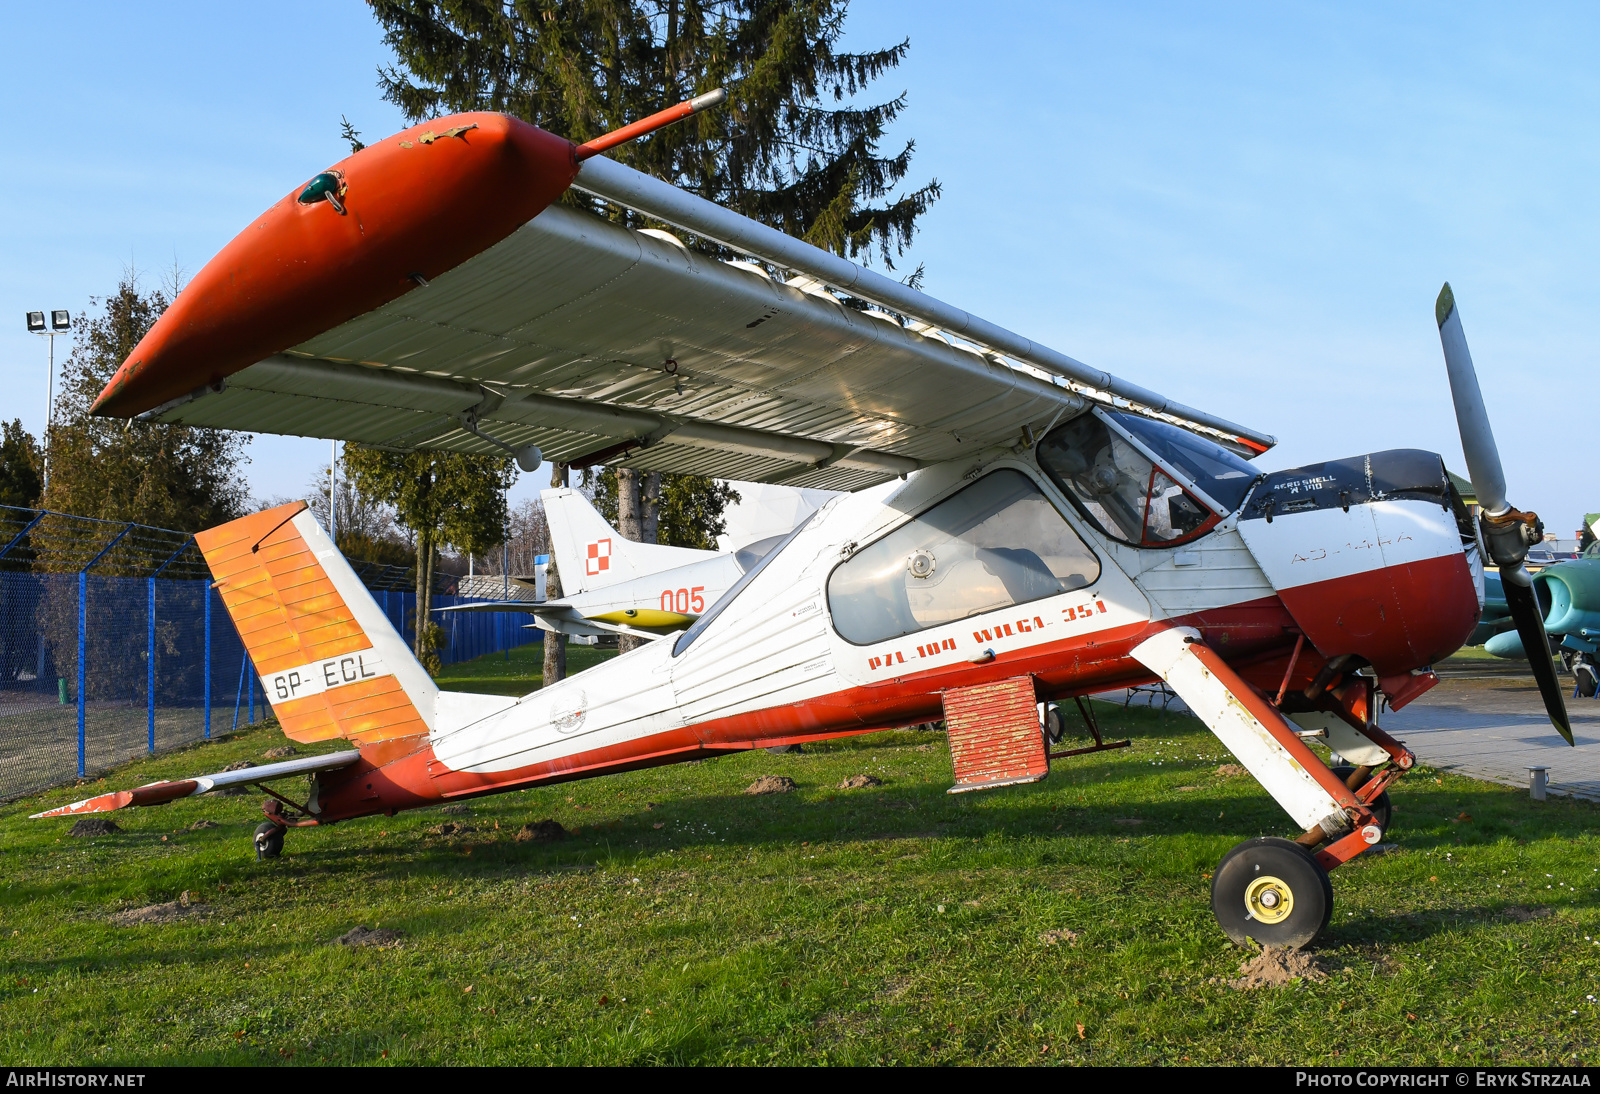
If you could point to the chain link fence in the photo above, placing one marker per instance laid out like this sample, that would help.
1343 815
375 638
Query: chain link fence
113 644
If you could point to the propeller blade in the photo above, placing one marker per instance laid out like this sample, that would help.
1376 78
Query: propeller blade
1524 605
1507 532
1472 418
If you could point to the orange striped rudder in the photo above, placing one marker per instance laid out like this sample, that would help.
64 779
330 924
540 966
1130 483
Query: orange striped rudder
331 663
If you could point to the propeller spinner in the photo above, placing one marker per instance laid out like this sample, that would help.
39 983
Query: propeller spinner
1507 532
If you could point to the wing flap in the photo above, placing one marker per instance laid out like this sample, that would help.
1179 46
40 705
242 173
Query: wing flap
162 792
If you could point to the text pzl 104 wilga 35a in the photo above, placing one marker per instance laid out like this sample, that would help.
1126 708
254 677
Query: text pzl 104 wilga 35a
1015 526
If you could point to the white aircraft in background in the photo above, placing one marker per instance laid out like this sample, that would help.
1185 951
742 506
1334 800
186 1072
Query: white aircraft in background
612 585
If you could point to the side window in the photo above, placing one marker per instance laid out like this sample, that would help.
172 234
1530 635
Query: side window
996 543
1118 488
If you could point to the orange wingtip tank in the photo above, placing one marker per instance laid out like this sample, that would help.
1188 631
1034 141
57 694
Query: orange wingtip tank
374 226
154 794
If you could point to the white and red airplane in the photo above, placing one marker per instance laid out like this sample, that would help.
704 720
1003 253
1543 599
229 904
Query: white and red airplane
1018 526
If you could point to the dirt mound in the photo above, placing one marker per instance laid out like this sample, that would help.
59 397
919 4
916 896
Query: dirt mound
94 826
450 828
1059 935
858 782
186 905
1526 915
456 810
203 824
771 784
282 752
1275 967
235 791
1231 771
383 937
541 832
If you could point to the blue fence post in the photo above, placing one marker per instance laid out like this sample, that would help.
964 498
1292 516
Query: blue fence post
208 659
239 695
150 665
83 645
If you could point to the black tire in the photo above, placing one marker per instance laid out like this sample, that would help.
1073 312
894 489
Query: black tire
269 840
1053 727
1587 677
1265 877
1380 808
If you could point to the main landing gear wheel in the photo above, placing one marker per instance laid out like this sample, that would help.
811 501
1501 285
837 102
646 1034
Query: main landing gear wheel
1271 890
1380 807
269 840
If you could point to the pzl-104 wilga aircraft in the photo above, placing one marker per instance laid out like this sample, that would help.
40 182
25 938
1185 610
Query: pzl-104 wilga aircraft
1019 526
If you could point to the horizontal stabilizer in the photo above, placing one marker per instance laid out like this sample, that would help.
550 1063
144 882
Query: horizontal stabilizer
163 792
527 607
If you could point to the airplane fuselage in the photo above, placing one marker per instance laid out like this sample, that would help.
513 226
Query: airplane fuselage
801 651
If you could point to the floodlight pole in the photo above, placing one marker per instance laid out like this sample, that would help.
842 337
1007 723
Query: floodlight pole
49 409
50 384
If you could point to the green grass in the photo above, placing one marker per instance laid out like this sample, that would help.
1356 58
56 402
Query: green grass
518 674
685 922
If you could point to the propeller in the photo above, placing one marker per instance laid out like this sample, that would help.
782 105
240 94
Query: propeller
1507 532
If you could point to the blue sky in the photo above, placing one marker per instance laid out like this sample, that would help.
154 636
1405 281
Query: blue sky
1249 208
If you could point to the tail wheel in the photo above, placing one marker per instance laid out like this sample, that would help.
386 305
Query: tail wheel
269 840
1271 890
1380 806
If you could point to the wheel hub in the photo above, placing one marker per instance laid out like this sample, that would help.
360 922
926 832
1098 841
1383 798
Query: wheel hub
1269 899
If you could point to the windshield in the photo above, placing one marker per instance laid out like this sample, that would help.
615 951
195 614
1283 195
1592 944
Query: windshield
1128 496
1220 473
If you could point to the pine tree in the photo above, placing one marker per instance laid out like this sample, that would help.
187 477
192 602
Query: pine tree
172 476
791 148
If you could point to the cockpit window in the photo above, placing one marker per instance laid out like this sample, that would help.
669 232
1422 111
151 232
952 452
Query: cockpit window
995 543
1126 494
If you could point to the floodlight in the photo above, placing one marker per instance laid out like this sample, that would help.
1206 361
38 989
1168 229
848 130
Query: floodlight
36 321
60 320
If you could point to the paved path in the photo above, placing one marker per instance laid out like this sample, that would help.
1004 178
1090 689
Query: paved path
1488 727
1496 728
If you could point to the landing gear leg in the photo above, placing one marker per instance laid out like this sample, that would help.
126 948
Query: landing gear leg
1381 811
1272 890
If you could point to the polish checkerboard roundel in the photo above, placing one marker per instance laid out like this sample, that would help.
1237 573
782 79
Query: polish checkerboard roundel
599 557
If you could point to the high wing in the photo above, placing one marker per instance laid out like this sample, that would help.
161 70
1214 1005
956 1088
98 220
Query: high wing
423 322
158 793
